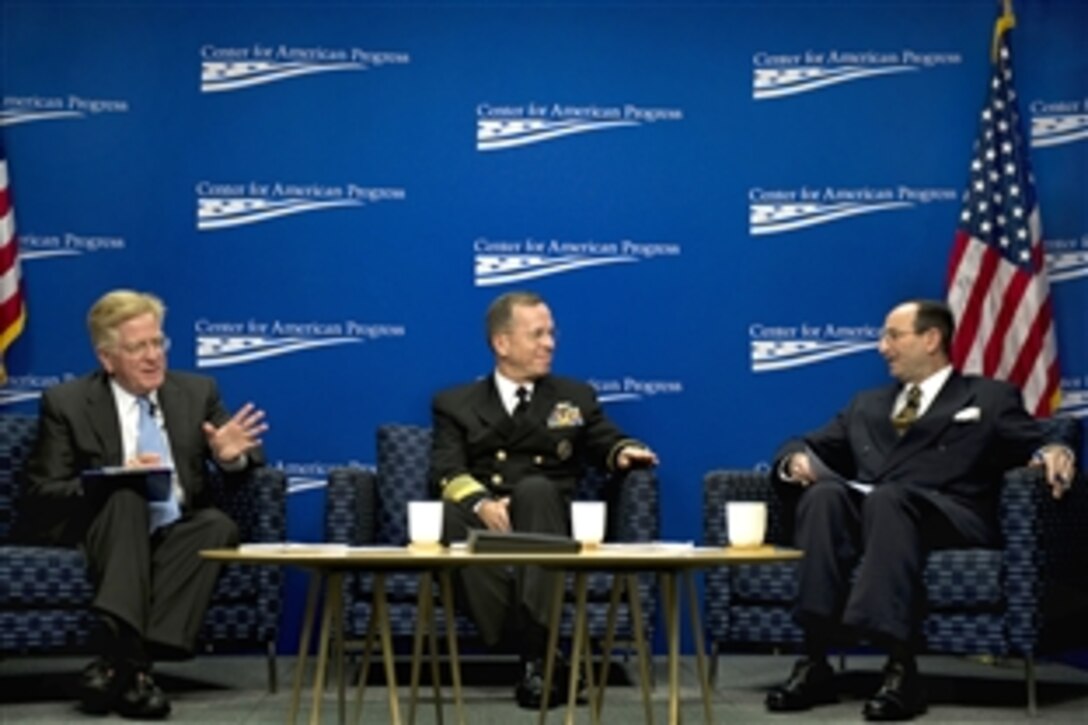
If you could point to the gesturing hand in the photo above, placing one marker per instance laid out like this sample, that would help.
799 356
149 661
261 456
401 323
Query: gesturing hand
238 435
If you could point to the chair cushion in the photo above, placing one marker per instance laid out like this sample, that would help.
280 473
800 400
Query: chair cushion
43 576
956 579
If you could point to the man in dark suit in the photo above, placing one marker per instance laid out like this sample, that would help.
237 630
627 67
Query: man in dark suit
151 587
900 471
508 450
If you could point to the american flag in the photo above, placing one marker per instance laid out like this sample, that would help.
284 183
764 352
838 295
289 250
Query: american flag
12 306
997 284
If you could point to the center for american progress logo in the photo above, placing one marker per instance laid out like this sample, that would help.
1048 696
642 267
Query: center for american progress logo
221 205
780 74
774 211
510 261
226 68
1054 123
27 109
506 126
225 342
785 346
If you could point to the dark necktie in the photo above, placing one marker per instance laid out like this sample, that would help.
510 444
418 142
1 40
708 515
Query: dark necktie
909 413
523 402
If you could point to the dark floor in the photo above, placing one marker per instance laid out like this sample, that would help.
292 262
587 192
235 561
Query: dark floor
219 689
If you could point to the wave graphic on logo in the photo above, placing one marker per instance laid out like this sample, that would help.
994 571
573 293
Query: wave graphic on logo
27 256
507 268
215 352
11 397
298 484
1074 403
619 397
778 218
774 83
771 356
1056 130
224 212
218 77
10 118
498 135
1064 266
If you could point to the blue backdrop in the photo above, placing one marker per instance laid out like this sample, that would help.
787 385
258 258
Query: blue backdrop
327 195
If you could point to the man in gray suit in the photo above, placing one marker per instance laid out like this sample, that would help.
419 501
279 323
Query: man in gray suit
508 451
151 587
900 471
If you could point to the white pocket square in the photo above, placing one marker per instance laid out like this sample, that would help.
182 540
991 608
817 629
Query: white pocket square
968 415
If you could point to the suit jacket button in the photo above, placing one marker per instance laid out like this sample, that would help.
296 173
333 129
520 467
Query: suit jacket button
500 455
538 460
496 478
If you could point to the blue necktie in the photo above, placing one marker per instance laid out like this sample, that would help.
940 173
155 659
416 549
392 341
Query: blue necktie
149 439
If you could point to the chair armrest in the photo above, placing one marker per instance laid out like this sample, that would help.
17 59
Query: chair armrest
720 486
351 506
1045 540
639 513
257 503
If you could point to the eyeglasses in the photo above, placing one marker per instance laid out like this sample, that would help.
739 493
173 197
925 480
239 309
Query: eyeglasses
892 334
138 349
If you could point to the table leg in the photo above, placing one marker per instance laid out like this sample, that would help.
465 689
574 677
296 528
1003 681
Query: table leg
381 610
671 594
635 605
700 656
576 647
432 647
338 639
553 642
364 670
312 592
332 582
609 640
423 602
451 643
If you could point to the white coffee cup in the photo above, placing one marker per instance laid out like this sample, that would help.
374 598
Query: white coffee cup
425 524
587 521
746 523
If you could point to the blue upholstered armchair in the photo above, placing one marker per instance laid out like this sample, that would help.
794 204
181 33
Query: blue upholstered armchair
1018 600
368 507
45 594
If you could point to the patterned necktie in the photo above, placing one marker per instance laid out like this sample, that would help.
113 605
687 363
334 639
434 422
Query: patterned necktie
909 413
150 439
523 402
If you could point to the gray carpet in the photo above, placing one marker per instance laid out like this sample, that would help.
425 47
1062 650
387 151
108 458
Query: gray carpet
222 689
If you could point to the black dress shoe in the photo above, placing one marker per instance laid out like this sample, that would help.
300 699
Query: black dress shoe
99 686
899 698
142 699
530 689
811 683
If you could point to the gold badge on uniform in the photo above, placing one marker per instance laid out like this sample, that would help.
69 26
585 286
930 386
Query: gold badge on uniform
564 449
565 415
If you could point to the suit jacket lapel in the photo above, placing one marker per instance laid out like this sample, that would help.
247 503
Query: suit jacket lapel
489 408
174 412
103 419
953 396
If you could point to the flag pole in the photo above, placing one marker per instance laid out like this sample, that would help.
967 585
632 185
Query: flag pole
1005 22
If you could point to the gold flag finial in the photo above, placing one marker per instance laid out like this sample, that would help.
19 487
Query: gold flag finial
1006 22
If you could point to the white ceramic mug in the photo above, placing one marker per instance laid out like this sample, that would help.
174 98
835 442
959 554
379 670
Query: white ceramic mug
587 521
425 523
746 522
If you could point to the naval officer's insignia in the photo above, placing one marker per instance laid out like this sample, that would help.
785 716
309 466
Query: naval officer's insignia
565 415
564 449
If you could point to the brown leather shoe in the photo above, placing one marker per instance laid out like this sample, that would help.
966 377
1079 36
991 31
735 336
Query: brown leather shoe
811 683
